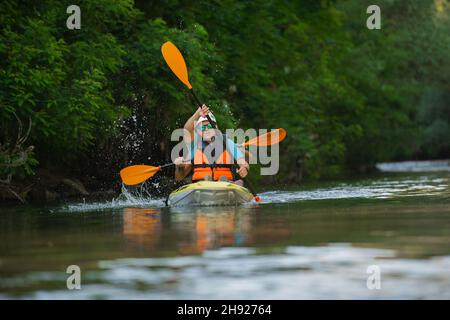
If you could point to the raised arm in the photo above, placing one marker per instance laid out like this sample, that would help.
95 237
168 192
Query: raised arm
189 126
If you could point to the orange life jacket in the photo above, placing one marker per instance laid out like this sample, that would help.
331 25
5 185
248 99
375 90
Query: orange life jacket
221 167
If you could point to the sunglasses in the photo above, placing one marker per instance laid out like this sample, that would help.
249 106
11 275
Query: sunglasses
207 126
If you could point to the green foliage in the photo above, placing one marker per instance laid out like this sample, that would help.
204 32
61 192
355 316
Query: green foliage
58 82
347 96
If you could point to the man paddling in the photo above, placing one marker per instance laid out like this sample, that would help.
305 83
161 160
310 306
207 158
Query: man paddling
212 156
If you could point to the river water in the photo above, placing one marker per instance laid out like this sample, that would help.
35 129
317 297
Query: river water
334 240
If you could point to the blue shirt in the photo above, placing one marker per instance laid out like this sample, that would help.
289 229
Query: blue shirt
232 148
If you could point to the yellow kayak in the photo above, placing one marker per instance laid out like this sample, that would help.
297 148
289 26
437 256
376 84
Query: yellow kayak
210 193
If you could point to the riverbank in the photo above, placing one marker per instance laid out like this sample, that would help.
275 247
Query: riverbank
48 187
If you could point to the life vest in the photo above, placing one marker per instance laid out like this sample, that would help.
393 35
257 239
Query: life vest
221 167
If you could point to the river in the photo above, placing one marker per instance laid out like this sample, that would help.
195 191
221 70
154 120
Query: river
386 236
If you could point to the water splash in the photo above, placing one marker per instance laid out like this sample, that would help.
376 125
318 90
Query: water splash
134 197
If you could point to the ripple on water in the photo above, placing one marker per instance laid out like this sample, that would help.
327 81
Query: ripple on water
323 272
382 188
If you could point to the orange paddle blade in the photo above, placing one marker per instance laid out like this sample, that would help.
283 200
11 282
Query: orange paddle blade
175 61
137 174
267 139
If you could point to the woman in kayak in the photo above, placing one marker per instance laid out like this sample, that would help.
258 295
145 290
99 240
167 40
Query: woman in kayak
200 134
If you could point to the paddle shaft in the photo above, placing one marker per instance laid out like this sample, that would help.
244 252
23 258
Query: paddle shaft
166 165
250 187
200 104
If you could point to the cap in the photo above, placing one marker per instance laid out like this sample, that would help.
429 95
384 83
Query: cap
201 119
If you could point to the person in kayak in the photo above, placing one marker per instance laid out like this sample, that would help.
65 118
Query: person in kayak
200 134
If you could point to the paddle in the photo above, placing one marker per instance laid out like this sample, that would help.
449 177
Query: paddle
176 63
137 174
267 139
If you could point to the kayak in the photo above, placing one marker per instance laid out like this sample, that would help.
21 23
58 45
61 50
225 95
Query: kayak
210 193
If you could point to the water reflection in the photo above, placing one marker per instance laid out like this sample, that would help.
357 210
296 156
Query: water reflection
142 227
193 230
211 230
